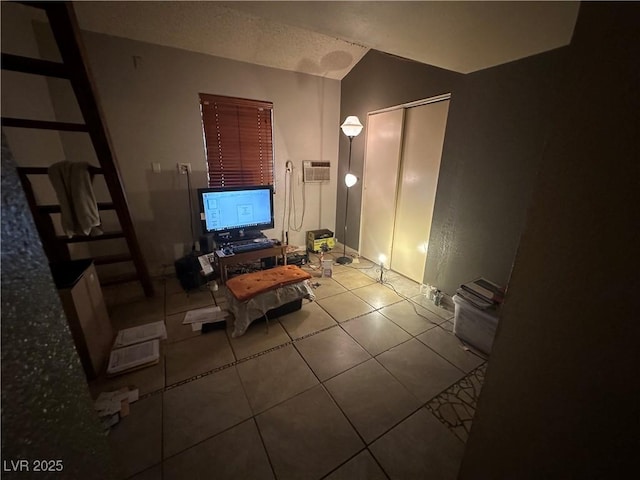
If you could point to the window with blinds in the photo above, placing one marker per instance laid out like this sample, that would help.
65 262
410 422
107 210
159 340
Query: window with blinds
238 140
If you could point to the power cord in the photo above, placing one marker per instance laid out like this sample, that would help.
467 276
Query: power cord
287 181
193 242
413 305
292 199
465 346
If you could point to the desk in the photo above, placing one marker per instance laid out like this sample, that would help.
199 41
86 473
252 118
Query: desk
225 260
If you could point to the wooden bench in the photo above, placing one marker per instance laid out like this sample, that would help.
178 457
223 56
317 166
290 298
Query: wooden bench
253 295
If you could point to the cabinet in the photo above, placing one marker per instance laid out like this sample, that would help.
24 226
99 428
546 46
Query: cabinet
84 306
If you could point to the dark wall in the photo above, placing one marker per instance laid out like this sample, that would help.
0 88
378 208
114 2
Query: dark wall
496 131
560 399
378 81
47 412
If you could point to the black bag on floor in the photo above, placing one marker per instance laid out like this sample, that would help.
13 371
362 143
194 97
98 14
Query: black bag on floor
188 272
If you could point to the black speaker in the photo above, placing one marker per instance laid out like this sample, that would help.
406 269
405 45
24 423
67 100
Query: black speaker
188 272
207 243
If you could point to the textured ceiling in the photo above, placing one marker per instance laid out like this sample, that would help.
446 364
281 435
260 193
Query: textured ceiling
329 38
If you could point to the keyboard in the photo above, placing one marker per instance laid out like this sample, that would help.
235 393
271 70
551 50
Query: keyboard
250 245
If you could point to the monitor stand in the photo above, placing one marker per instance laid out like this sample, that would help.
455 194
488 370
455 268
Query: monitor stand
249 235
230 237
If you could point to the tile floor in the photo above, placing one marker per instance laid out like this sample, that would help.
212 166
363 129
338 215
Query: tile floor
366 382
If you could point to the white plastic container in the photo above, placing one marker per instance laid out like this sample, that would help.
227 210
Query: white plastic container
474 326
327 268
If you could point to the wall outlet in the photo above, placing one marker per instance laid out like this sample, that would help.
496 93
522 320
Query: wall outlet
184 168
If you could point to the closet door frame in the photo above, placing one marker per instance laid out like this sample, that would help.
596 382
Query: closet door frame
398 178
378 205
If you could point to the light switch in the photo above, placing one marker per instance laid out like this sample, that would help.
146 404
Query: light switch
155 167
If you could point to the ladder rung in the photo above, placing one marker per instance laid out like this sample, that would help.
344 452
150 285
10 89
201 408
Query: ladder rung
45 170
43 124
104 236
36 66
109 259
65 29
40 5
56 208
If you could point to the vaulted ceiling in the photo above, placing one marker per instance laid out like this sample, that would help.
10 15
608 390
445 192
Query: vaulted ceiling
329 38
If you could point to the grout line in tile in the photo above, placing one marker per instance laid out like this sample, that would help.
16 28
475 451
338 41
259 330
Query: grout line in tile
264 445
375 459
293 342
345 462
354 427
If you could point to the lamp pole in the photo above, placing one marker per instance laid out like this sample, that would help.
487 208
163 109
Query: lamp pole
351 128
344 260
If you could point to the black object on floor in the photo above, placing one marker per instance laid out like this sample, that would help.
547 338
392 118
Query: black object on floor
188 272
210 327
283 310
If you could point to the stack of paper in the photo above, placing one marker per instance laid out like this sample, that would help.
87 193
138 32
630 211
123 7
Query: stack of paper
142 333
136 356
205 316
136 347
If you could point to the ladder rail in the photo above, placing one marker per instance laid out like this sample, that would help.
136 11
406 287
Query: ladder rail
75 67
54 249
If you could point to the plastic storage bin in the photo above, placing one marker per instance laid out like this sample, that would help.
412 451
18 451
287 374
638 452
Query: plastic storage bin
474 326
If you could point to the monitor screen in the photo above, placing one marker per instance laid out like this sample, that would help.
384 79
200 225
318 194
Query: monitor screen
230 209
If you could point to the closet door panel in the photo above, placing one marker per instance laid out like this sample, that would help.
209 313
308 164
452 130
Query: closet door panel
380 181
424 130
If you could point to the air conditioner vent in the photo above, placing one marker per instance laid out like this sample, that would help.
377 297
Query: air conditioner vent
315 172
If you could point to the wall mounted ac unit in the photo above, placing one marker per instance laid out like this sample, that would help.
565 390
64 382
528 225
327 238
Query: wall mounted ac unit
315 172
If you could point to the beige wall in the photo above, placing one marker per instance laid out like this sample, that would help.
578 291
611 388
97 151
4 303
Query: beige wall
26 96
153 115
149 95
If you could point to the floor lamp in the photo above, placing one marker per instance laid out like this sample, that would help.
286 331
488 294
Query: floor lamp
351 128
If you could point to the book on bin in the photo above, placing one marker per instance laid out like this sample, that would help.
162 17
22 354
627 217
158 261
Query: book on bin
482 289
473 299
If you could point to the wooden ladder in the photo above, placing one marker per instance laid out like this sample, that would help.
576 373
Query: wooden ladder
74 67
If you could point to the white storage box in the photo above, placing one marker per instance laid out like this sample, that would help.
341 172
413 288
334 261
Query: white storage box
474 326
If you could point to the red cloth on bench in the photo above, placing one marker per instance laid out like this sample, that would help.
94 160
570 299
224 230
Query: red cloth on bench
247 286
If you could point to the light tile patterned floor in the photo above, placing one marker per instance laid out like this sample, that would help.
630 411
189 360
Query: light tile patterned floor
456 406
366 382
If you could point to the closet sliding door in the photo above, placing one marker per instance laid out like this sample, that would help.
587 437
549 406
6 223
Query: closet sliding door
382 163
424 129
401 169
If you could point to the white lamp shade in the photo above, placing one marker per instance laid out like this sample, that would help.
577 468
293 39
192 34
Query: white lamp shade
351 126
350 180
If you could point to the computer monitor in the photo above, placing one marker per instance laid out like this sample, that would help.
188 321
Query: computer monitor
234 210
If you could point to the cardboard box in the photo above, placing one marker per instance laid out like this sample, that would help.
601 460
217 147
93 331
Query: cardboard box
81 296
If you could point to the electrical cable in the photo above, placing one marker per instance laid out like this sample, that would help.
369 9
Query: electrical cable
292 203
287 179
380 270
193 241
288 198
462 342
304 209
